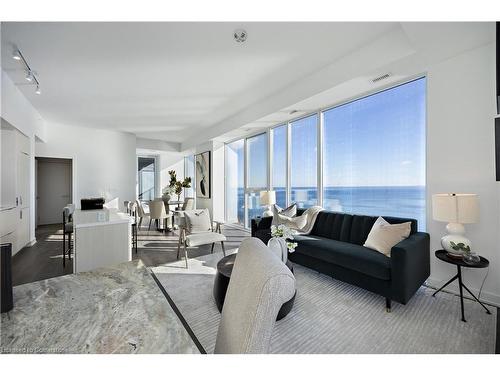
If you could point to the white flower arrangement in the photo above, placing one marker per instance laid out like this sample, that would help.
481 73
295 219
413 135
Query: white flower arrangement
168 190
282 231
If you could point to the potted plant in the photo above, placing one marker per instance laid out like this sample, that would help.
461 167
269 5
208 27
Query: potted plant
176 186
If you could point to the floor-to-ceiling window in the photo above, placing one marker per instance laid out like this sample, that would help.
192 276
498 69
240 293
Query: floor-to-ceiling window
146 177
370 153
235 179
257 161
189 171
279 164
304 161
374 154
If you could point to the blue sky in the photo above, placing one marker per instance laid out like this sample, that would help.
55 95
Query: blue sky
378 140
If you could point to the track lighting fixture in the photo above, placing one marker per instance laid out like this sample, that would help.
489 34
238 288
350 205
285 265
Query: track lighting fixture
30 74
16 55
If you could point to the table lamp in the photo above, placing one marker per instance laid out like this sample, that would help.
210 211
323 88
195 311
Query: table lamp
267 199
456 210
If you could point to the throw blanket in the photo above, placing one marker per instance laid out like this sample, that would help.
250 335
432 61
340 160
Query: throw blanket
312 213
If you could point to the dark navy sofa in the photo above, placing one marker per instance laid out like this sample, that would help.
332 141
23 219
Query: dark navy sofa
335 248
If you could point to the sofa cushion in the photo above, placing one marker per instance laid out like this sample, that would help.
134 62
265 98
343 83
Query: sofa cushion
344 254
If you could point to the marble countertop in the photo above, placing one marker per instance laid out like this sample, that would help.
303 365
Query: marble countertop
116 309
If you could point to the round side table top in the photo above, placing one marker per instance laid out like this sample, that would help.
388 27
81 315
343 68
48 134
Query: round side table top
226 264
443 255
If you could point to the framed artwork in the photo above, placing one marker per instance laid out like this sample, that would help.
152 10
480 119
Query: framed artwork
203 182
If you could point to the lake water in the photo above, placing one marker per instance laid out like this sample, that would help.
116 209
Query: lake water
399 201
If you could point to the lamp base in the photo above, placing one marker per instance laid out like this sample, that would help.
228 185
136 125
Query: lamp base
455 238
267 212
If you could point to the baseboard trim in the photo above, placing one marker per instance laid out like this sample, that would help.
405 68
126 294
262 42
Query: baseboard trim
486 297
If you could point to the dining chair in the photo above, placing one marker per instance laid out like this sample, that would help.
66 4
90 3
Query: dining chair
142 211
157 212
260 284
67 227
188 204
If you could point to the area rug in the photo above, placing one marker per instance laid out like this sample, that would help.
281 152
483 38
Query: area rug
330 316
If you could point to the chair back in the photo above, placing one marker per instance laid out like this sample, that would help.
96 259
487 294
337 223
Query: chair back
157 209
260 284
140 209
188 204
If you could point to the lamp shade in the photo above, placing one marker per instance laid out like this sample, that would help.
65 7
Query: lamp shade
455 208
267 198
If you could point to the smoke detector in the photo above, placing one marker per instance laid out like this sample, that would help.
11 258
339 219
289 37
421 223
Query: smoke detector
240 35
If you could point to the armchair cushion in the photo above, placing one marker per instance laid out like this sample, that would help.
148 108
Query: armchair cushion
204 238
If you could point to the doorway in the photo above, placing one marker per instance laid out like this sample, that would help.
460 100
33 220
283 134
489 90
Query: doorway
53 189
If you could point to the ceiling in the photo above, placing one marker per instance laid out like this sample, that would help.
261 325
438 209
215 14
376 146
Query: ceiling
189 82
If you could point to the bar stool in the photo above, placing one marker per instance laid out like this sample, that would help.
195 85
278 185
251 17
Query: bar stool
67 230
132 211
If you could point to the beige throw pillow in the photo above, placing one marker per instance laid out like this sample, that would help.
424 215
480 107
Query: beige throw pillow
198 221
290 211
296 223
383 236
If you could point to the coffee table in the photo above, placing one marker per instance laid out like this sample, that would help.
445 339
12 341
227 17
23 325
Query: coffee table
221 282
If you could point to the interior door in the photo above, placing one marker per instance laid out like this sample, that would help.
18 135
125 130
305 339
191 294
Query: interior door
54 189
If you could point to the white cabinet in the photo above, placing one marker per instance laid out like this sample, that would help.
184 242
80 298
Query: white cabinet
15 196
23 228
23 180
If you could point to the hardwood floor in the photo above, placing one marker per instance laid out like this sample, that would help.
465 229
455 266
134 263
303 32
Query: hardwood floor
43 260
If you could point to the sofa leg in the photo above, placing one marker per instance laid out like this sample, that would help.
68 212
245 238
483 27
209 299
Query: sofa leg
388 304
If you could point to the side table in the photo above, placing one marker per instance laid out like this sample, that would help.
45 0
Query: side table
483 263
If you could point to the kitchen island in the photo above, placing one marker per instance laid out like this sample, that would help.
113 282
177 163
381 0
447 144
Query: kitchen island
117 309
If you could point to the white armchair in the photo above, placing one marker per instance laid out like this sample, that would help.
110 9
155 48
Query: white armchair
196 229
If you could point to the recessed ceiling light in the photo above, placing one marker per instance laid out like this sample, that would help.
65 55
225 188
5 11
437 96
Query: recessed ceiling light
38 91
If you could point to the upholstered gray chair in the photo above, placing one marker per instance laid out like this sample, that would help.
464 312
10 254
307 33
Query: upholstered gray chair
260 284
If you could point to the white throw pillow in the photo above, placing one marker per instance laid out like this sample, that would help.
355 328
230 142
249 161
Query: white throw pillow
296 223
198 221
383 236
290 211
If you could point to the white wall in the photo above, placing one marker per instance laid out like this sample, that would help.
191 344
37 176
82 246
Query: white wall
104 161
460 158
